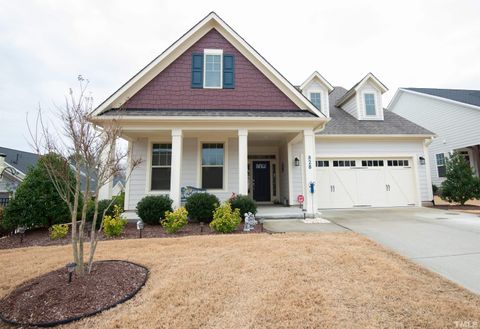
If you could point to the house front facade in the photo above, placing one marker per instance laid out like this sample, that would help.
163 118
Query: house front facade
211 113
452 114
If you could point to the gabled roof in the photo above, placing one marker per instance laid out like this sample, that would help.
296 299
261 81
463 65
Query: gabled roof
342 123
350 93
212 20
317 76
471 97
20 160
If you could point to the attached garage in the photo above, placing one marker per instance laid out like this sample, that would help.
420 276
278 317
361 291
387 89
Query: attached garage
365 182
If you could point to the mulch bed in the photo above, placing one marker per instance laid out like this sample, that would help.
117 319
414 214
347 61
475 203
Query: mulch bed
49 299
465 208
40 237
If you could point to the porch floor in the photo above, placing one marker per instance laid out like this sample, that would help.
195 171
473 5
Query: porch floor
278 212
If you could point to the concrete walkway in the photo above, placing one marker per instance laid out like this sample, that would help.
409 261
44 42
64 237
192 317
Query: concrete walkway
297 225
445 242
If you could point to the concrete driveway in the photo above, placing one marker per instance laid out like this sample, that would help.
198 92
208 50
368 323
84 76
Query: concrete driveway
446 242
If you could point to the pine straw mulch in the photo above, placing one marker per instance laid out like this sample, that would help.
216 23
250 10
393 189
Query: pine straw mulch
50 298
40 237
326 280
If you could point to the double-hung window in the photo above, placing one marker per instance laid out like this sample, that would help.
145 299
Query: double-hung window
161 166
441 169
213 66
370 109
213 156
316 99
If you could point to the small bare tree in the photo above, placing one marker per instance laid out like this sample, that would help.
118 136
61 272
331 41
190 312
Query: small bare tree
91 152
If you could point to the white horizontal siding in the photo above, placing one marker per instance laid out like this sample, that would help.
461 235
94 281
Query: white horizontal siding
375 148
455 125
283 171
297 174
351 107
315 87
189 172
137 178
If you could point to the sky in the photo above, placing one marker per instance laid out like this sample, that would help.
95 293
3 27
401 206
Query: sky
45 45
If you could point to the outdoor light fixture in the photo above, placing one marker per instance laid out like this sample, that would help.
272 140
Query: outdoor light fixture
140 226
422 160
297 162
70 267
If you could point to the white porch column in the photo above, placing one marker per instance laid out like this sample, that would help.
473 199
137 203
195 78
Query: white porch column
106 191
310 171
243 161
176 167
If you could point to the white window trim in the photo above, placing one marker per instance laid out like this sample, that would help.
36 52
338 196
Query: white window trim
225 162
365 104
148 185
212 52
316 91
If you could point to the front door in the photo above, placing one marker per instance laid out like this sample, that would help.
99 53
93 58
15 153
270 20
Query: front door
261 180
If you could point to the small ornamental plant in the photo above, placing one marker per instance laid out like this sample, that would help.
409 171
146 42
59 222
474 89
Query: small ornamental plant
243 202
151 209
225 220
114 225
175 220
58 231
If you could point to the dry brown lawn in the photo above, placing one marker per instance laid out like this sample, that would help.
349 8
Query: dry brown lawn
331 280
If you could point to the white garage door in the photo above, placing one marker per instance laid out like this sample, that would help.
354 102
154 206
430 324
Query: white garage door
346 183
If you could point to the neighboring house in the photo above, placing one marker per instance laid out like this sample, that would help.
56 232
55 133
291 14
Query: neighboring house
212 113
14 165
452 114
118 185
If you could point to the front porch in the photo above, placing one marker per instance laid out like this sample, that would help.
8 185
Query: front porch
270 165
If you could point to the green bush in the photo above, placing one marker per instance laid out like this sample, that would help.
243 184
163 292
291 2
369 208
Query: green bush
200 206
36 202
114 225
102 205
435 189
151 209
175 220
244 203
461 184
58 231
224 219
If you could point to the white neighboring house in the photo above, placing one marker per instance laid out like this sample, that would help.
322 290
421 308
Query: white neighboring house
211 113
14 165
452 114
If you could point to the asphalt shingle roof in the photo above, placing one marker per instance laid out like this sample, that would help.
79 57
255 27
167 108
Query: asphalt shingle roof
20 160
212 113
342 123
471 97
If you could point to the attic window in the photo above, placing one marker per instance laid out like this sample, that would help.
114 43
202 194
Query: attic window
370 109
213 68
316 99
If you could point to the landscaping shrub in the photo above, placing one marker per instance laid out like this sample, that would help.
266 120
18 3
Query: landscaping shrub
36 202
435 189
114 225
224 219
200 206
151 209
102 205
244 203
58 231
175 220
461 184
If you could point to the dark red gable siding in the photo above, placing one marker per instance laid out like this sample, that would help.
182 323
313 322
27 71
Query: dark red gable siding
171 89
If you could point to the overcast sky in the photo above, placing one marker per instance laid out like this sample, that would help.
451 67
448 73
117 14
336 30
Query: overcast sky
44 45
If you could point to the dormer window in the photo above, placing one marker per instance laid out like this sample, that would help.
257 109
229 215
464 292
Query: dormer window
316 99
213 68
370 108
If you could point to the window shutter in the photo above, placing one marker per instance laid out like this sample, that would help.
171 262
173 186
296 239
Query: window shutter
197 71
228 72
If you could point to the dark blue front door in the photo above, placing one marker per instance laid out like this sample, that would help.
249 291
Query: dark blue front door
261 180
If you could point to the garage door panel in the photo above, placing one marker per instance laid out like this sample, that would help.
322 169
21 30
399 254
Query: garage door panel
371 187
365 183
